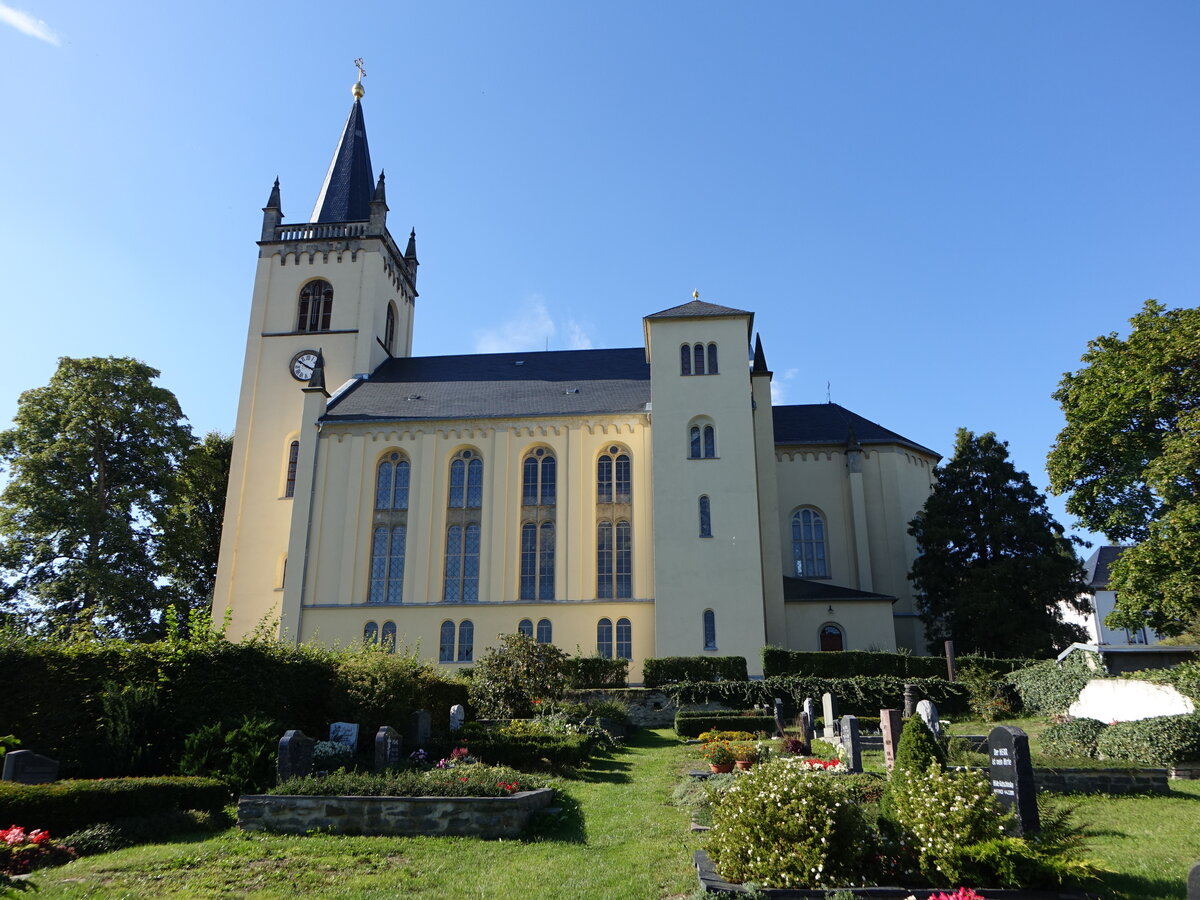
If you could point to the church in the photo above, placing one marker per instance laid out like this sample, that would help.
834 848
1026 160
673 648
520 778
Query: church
636 502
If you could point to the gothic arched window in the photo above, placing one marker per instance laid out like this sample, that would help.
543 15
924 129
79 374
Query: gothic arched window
389 330
289 489
705 517
624 639
809 555
710 630
390 529
604 638
315 306
464 515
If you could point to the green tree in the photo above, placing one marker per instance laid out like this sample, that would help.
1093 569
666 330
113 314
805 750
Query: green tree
89 459
1129 459
190 525
993 565
507 680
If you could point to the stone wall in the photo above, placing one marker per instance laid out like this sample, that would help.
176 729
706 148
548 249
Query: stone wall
486 817
647 708
1096 781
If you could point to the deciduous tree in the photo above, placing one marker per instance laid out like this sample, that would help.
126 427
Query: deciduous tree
994 566
1129 459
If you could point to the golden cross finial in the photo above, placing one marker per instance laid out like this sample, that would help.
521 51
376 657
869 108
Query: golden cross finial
695 295
361 71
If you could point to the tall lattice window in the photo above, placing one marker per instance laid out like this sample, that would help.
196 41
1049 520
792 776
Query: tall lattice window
710 630
289 489
604 638
539 473
808 544
315 308
463 516
446 642
614 482
614 531
390 530
705 517
624 639
545 632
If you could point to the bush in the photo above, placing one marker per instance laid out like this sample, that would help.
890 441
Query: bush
1075 738
509 678
243 757
66 806
690 727
991 697
109 836
461 780
1161 741
1048 688
784 825
330 755
585 672
673 669
526 745
850 663
866 694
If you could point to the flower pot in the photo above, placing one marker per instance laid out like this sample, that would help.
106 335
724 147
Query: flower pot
744 763
721 769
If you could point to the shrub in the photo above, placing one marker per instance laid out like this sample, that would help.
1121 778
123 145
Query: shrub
784 825
1160 741
66 806
1048 688
991 697
509 678
865 694
673 669
1077 737
610 709
585 672
848 663
243 757
109 836
460 780
690 728
330 755
526 750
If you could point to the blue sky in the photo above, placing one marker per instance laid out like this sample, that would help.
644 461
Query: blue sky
931 207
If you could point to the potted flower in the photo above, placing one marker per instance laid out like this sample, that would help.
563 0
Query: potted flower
719 755
745 754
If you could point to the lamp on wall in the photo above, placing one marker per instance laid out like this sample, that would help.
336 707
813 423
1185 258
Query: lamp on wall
831 610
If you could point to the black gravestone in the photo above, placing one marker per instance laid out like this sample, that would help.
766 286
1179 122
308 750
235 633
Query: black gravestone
806 733
420 727
1011 774
852 743
388 746
1194 883
27 767
295 755
779 729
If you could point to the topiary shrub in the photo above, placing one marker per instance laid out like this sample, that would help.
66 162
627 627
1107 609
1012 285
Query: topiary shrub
1161 741
784 825
916 751
510 677
584 672
1077 737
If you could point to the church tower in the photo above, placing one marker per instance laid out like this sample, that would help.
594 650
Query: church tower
334 294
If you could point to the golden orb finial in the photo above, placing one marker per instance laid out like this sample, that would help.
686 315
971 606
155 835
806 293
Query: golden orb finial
358 90
695 295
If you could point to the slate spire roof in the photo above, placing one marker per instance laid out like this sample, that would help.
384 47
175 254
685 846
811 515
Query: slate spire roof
349 184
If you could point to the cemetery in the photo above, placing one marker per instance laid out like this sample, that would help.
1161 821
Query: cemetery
889 784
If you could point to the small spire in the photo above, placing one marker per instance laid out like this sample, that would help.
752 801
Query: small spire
317 381
760 358
410 252
380 193
273 200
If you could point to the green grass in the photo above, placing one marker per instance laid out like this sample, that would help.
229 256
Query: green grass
616 838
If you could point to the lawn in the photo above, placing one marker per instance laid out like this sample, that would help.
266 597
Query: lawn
617 837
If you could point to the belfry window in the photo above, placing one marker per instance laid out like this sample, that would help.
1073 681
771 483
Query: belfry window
315 307
389 330
698 359
702 441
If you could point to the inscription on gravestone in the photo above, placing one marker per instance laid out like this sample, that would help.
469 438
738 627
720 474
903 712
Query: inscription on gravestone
852 743
27 767
345 733
295 755
1011 773
830 711
388 745
891 725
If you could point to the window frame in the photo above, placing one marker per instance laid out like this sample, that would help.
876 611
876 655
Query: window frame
314 314
812 550
709 624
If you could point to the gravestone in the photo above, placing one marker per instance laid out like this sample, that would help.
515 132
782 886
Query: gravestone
891 725
852 743
1011 774
810 722
1194 883
345 733
295 755
458 715
830 711
27 767
910 700
779 729
811 709
388 745
419 728
929 715
806 730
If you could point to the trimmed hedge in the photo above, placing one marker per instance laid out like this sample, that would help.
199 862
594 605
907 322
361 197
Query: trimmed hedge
694 726
850 663
584 672
1075 738
862 694
674 669
1160 741
65 806
531 752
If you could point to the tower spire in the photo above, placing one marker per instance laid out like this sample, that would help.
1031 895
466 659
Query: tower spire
350 182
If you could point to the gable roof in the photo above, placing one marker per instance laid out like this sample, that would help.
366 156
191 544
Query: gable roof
499 385
796 590
831 423
696 309
1096 567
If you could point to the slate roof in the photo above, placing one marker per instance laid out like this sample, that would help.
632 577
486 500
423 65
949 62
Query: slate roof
494 385
694 309
801 589
349 184
830 423
1096 567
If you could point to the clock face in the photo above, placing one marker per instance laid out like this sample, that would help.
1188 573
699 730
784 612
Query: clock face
303 364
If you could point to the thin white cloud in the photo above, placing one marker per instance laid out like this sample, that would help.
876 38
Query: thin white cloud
532 328
779 386
26 24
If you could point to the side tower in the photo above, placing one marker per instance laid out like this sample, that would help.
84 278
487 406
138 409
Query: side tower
336 287
708 575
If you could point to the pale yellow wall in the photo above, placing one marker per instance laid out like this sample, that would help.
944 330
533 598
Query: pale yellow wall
865 625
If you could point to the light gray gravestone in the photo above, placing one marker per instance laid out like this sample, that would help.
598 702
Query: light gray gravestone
27 767
891 725
295 755
420 725
388 746
910 700
458 715
344 733
1011 774
852 743
779 729
830 711
929 715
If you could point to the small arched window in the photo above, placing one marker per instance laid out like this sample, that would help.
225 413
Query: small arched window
389 636
832 638
613 477
545 633
808 544
698 359
705 518
289 489
466 640
370 633
624 639
685 360
525 626
446 642
702 441
315 306
391 482
710 630
466 481
712 359
538 478
604 638
389 330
